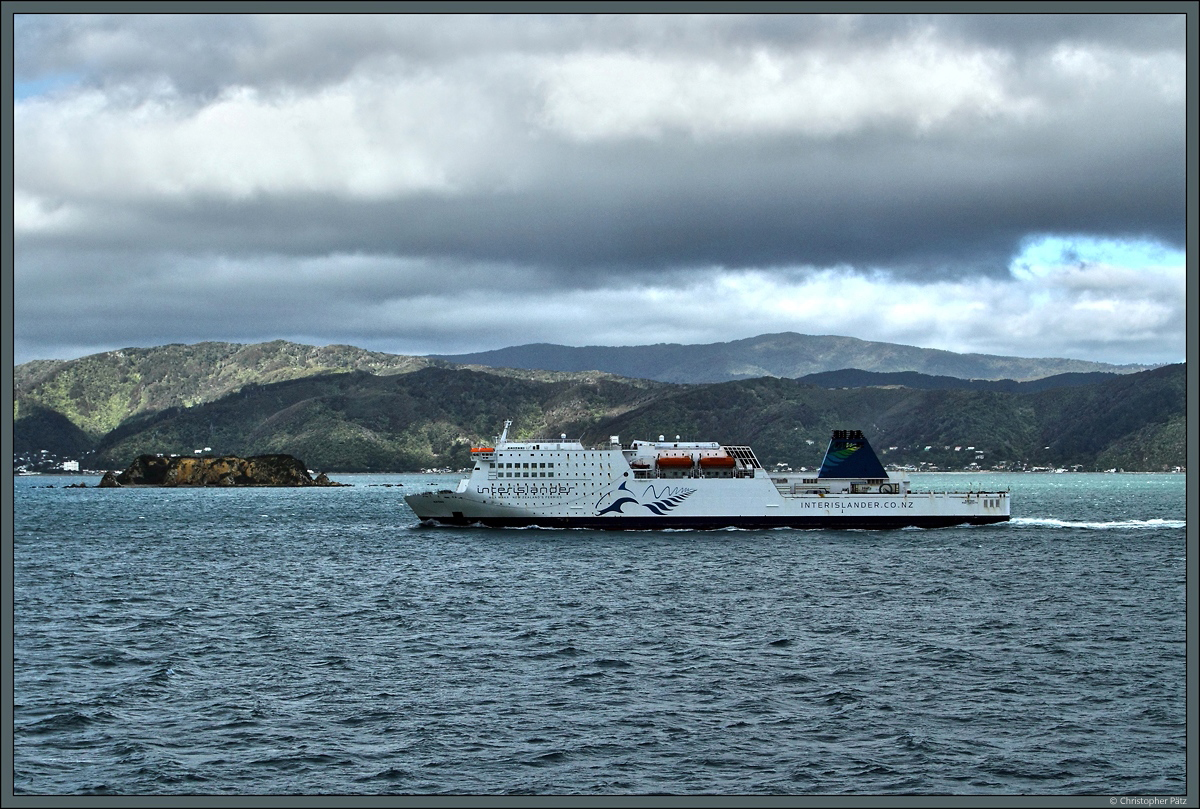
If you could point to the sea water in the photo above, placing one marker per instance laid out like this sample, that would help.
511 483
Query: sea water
321 642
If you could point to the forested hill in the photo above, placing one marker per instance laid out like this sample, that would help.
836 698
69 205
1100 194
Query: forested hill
99 392
430 418
1135 422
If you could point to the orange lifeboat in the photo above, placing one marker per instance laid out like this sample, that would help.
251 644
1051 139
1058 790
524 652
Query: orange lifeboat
717 462
674 462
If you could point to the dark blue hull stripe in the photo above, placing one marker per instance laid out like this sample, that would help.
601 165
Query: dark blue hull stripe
711 523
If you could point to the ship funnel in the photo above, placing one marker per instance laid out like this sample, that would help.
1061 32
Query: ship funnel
850 456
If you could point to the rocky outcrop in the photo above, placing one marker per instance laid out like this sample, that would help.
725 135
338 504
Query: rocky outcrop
227 470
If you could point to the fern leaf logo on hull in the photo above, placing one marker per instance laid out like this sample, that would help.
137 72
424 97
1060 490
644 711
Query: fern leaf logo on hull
661 503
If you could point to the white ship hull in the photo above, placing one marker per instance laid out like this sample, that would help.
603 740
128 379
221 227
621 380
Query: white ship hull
712 506
560 484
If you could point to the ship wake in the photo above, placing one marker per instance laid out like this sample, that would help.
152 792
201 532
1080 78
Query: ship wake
1053 523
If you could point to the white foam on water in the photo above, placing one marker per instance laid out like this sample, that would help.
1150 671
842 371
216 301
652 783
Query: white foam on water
1052 523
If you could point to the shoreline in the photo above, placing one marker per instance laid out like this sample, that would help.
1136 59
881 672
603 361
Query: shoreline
467 472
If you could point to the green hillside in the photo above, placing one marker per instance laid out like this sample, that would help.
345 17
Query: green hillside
361 422
343 409
430 418
789 422
1134 422
99 392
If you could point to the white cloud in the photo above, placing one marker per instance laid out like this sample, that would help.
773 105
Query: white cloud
1163 74
1081 314
916 84
33 214
409 182
1098 312
368 137
386 129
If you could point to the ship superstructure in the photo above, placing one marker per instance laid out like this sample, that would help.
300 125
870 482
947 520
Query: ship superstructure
690 484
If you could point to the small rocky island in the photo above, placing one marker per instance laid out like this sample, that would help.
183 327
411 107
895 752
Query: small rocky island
227 470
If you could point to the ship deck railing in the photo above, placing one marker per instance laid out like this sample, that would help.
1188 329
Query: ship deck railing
692 474
745 455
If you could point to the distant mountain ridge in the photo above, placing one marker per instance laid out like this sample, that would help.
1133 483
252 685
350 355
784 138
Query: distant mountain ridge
854 378
786 355
343 408
359 421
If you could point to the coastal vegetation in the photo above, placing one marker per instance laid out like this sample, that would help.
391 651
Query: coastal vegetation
344 409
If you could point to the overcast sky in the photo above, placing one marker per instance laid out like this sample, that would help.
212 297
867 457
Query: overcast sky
440 184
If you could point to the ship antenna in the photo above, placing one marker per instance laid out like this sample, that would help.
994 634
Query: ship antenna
504 435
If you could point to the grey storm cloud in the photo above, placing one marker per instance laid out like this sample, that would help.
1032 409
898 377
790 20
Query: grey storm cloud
917 209
572 152
202 53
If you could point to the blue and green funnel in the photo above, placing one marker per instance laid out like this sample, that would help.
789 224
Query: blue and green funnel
850 456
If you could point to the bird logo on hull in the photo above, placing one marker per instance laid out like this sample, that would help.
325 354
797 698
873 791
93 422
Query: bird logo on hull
661 504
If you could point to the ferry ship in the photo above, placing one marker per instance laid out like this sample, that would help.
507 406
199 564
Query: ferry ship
558 483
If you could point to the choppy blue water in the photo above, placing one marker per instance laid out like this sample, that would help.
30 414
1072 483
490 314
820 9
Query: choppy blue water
290 641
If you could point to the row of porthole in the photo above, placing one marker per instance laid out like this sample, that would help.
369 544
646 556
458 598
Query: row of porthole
566 455
547 465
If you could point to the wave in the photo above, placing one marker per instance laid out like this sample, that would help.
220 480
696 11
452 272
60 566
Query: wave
1053 523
